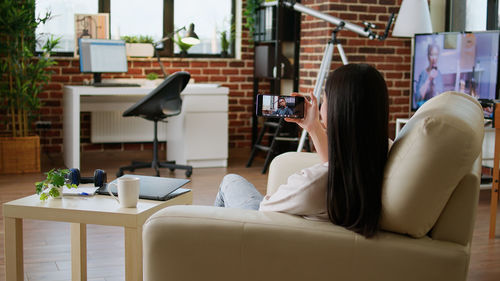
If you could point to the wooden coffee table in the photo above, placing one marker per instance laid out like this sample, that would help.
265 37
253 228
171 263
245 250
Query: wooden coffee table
80 211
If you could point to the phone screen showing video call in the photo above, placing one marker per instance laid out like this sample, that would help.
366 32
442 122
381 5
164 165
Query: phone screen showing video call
280 106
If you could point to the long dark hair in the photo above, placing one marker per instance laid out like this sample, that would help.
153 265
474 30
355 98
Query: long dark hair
357 121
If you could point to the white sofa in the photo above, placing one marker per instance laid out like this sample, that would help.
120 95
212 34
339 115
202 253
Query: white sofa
430 195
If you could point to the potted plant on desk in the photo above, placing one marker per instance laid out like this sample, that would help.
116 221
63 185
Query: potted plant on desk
152 80
139 47
53 184
23 77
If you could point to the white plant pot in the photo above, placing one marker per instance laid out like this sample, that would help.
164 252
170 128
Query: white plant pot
141 50
152 83
60 192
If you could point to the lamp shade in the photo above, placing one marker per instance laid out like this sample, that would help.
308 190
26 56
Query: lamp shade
413 17
191 38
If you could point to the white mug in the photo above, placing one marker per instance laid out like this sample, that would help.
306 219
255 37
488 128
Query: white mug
128 191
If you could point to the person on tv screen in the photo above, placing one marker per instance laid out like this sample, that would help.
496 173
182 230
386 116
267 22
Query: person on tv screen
283 110
430 80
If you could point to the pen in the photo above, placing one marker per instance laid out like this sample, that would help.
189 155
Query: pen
84 193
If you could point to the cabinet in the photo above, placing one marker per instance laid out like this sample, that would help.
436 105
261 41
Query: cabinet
276 56
199 135
188 141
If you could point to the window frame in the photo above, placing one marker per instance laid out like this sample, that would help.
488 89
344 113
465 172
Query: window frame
492 15
168 27
104 6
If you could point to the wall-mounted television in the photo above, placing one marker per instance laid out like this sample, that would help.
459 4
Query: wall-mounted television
464 62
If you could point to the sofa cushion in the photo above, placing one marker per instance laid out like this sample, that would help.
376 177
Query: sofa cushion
432 153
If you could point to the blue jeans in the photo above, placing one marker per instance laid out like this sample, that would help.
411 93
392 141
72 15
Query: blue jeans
236 192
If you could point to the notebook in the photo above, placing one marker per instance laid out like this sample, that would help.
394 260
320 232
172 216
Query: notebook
153 188
81 190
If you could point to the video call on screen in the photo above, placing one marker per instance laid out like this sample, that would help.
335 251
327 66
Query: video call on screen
462 62
272 105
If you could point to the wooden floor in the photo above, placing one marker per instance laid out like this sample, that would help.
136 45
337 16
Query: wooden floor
46 244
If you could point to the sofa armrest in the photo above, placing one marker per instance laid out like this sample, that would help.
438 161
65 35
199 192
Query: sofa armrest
285 165
188 243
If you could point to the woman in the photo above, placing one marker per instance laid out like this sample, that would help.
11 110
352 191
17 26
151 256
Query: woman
430 80
351 139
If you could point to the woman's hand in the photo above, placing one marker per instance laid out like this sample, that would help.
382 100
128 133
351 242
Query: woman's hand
313 125
311 121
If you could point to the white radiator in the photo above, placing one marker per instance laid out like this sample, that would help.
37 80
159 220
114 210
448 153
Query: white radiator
111 126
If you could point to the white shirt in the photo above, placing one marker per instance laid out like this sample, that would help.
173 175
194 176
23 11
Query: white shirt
304 194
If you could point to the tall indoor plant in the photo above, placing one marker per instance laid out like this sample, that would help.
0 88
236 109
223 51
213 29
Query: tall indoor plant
23 76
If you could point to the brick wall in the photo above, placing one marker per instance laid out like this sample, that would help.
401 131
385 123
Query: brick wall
232 73
391 57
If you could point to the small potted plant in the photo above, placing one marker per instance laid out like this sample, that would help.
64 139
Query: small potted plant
141 46
224 44
53 184
151 77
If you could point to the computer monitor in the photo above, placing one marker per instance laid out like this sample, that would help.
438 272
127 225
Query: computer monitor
465 62
101 55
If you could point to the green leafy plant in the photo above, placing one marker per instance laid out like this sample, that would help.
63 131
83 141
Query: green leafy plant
129 39
250 14
152 76
146 39
23 75
138 39
53 183
51 43
224 42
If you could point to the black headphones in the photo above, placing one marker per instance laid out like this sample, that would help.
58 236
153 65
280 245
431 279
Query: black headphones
99 178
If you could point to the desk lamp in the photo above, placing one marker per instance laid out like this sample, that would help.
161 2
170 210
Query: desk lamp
189 38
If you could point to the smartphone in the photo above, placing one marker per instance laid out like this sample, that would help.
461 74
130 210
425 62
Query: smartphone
280 106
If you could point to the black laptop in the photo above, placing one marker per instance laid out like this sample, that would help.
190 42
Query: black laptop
153 188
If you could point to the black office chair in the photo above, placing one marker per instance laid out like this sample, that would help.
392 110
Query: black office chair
162 102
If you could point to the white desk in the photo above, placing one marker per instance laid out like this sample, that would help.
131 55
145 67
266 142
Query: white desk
189 140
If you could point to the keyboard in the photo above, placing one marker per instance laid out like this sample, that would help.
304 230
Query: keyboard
116 85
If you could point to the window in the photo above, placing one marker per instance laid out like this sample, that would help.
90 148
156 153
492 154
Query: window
155 18
62 23
136 18
472 15
210 18
475 16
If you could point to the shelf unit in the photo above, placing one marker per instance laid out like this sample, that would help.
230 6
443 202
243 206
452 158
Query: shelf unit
276 56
